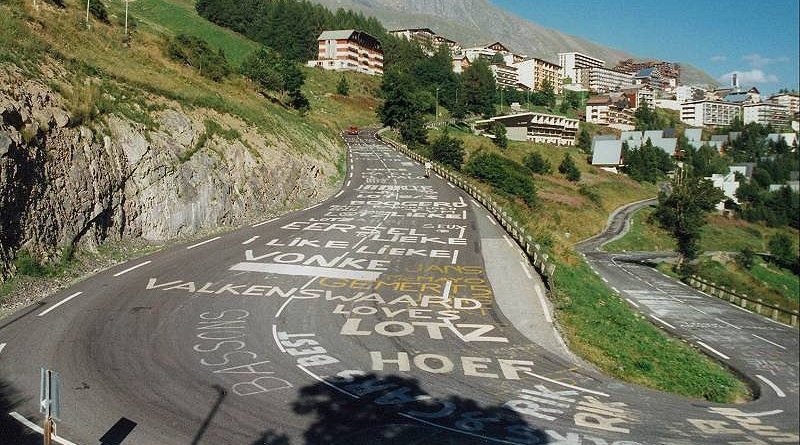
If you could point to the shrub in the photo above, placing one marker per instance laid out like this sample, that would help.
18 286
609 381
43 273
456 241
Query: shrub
343 87
447 150
500 135
504 174
195 52
569 169
537 163
272 72
98 10
26 264
746 258
783 250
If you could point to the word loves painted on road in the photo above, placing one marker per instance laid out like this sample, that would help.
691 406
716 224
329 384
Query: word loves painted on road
222 347
745 427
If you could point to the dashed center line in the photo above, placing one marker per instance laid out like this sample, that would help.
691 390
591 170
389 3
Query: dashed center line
46 311
250 240
770 342
567 385
713 350
264 222
2 346
203 242
132 268
455 257
729 324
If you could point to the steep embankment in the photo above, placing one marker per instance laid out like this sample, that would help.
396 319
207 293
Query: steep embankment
101 139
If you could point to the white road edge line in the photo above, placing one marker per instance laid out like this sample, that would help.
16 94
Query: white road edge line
770 342
132 268
203 242
436 425
491 220
264 222
540 294
713 350
662 322
475 202
772 385
44 312
2 346
348 184
633 303
21 419
567 385
339 194
275 336
729 324
508 240
321 380
525 269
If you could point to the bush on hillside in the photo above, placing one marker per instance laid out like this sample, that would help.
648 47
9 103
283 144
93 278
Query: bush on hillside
448 151
569 169
504 174
537 163
195 52
98 10
272 72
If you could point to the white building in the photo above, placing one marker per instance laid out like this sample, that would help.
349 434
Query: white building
532 73
505 75
688 93
789 100
728 184
572 61
534 127
707 113
603 80
349 50
766 113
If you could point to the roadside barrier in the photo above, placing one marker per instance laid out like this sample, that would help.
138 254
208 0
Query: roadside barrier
756 305
534 251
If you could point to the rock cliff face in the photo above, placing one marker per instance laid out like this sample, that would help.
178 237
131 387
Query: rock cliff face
65 184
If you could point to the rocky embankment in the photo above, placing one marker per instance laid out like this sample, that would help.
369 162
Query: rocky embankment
66 183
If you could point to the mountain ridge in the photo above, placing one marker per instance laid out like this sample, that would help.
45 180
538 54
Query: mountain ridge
477 22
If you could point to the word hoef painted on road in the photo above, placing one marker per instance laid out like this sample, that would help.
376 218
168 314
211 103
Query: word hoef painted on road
222 348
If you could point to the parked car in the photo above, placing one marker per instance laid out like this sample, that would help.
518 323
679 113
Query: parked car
352 130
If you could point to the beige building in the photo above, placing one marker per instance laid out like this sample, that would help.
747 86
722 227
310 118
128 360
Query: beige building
766 113
349 50
789 100
505 75
533 72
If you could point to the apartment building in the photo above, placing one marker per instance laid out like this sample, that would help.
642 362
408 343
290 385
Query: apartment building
572 61
532 73
427 38
611 111
505 75
349 50
709 113
766 113
788 100
640 94
603 80
535 127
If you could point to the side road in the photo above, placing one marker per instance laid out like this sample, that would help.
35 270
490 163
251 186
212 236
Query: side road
764 351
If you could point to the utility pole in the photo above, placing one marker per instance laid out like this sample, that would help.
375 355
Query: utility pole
87 14
437 104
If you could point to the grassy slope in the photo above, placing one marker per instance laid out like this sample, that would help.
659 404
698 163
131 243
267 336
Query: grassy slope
765 281
597 324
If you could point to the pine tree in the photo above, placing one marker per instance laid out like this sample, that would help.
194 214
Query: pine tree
343 87
500 135
569 169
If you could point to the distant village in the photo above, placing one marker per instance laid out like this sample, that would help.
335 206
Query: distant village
615 94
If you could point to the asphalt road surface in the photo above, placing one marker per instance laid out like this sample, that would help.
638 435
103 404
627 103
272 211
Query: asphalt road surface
397 312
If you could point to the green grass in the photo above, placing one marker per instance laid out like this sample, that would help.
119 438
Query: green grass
719 234
765 281
603 329
179 16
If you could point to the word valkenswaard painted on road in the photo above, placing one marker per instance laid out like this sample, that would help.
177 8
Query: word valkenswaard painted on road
221 344
211 288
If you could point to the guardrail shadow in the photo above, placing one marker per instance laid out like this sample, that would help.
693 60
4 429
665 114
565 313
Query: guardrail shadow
372 409
11 431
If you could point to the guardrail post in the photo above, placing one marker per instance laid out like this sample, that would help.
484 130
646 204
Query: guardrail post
794 320
758 306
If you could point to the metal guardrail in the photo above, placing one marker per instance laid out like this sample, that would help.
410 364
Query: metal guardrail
756 305
534 251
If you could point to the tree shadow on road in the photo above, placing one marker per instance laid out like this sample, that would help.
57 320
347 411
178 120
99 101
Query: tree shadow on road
11 431
392 410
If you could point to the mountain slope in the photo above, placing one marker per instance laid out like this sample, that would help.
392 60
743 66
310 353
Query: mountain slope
475 22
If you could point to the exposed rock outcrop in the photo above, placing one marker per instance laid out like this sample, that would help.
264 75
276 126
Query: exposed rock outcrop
63 184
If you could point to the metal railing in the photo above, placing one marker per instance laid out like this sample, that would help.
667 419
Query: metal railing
534 251
756 305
